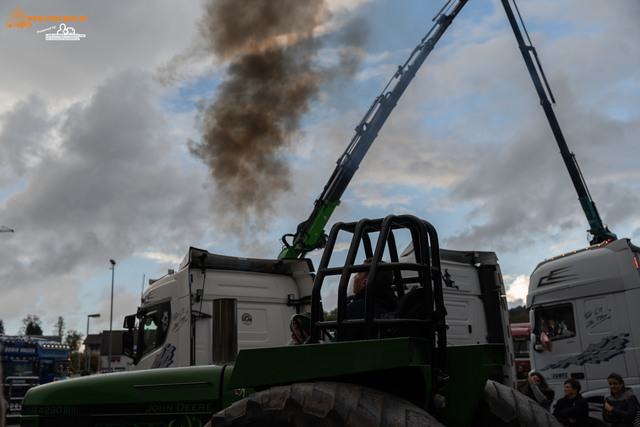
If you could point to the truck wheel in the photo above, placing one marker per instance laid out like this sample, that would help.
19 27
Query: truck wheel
503 406
323 404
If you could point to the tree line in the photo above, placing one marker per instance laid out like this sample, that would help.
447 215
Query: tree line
518 315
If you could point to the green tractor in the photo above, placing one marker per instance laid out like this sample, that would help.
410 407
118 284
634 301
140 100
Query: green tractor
400 371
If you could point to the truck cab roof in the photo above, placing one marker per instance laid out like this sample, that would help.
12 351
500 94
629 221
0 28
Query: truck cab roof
597 269
199 258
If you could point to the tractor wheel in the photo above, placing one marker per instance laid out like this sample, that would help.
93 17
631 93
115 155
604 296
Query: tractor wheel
503 406
322 404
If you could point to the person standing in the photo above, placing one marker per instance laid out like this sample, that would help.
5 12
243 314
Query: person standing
521 374
621 405
538 390
573 409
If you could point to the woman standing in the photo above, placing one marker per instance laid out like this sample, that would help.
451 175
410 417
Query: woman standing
621 405
537 389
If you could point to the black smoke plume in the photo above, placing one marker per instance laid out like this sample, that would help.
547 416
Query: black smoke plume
269 48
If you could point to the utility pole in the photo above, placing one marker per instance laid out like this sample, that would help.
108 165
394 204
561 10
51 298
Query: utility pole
113 270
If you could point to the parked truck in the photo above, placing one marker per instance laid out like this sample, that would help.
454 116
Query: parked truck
27 362
175 323
521 333
584 321
410 377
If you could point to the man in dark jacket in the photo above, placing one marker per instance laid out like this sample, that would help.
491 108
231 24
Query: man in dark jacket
572 409
386 300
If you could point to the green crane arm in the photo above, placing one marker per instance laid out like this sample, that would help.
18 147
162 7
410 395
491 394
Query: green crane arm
310 234
599 232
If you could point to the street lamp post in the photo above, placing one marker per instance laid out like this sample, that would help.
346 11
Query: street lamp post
113 270
86 347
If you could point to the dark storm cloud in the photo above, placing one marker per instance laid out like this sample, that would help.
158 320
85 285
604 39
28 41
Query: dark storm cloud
24 132
524 194
112 185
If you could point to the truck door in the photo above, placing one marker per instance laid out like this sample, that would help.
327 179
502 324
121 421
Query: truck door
557 347
603 342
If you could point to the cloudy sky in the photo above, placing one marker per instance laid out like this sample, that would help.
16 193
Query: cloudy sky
110 146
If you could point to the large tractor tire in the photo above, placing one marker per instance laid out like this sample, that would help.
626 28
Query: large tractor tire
503 406
323 404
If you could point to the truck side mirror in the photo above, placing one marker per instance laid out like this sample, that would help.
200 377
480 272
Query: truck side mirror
129 322
532 319
127 336
535 345
127 343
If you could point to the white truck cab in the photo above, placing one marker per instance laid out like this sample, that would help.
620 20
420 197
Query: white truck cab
175 324
585 319
476 304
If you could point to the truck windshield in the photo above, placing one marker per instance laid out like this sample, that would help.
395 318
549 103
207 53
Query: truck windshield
17 369
556 322
154 326
521 347
61 369
150 328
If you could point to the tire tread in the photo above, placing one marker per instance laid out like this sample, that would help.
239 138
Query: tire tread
514 408
324 404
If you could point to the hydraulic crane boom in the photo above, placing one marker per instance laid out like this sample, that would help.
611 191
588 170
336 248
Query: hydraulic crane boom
310 234
599 232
